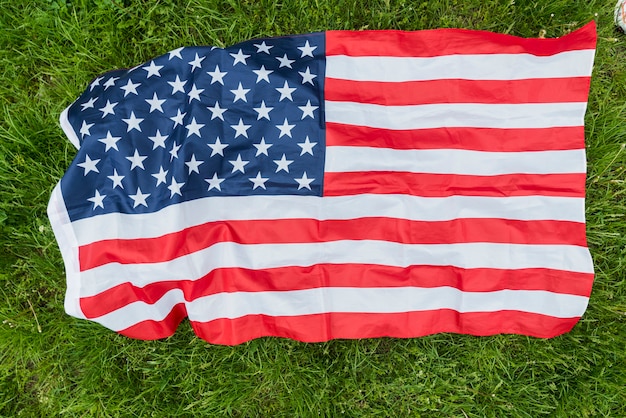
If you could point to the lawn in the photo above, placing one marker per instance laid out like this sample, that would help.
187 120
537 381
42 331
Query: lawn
52 364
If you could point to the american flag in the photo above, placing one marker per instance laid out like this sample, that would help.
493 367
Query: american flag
333 185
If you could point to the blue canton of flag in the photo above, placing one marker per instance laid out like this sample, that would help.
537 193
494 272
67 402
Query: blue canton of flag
199 122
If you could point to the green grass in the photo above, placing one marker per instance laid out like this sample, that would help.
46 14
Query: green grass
52 364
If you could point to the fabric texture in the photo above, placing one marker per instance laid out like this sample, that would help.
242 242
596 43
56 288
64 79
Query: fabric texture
333 185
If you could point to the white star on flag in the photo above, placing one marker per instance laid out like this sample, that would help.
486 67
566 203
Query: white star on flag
285 129
174 151
177 85
258 181
308 110
89 165
193 164
155 103
110 141
262 74
178 119
283 164
240 93
307 50
84 129
214 182
160 176
217 76
263 111
176 53
285 92
110 82
158 140
97 200
285 62
307 77
130 87
153 69
241 129
196 63
133 122
88 104
240 57
194 93
139 198
304 182
238 164
116 179
217 111
95 83
174 188
136 160
217 147
194 128
307 146
262 47
262 147
108 109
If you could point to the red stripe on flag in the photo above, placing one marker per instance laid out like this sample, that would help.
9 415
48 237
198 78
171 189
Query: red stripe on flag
154 330
552 90
437 42
324 327
341 275
478 139
444 185
187 241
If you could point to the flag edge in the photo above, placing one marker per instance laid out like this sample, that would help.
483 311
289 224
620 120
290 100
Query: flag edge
67 127
68 246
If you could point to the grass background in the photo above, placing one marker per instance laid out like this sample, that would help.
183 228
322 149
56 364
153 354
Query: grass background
52 364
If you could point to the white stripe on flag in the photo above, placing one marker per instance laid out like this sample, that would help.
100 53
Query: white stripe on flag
347 300
454 161
468 67
261 256
457 115
199 211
